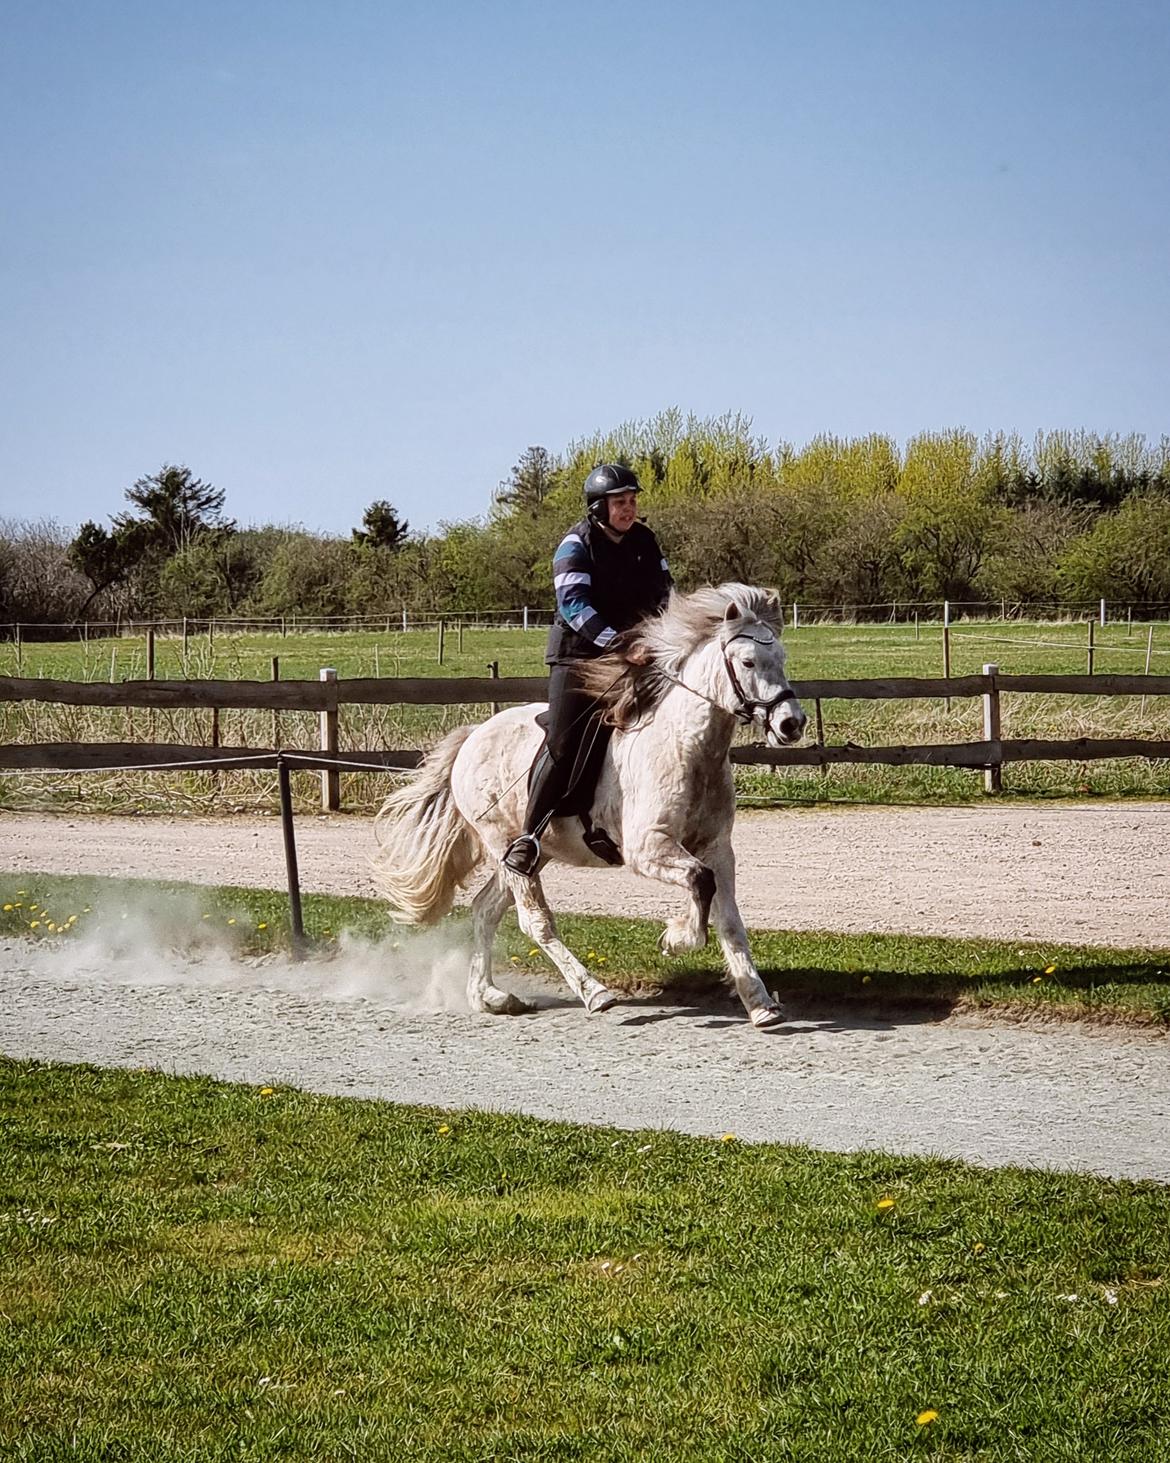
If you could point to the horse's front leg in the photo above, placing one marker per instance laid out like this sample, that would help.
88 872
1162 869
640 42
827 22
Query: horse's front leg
759 1005
537 922
658 856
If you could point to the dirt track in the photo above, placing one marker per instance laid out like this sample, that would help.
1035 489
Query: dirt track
391 1021
1097 874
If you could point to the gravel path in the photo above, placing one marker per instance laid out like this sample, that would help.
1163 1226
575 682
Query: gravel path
390 1023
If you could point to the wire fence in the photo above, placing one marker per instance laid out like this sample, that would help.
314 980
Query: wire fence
532 617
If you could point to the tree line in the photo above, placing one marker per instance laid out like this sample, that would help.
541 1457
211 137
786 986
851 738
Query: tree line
1064 518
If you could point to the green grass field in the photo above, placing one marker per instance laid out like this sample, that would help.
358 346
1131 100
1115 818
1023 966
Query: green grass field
191 1271
817 651
1013 979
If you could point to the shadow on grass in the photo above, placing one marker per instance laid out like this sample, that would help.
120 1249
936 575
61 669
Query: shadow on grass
1138 992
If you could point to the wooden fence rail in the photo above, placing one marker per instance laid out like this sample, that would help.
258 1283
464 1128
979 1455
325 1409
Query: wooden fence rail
472 690
326 696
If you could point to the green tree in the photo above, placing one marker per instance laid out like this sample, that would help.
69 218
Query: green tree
176 508
381 527
533 478
107 557
1126 555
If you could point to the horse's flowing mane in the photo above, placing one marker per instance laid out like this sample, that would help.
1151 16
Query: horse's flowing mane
631 680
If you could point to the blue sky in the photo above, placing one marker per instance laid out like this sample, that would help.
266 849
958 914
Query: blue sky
326 253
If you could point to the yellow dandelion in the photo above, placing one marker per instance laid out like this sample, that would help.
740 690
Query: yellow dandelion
49 925
444 1128
1037 979
924 1419
88 909
267 1091
591 955
206 916
22 892
263 925
35 924
32 906
7 907
231 921
1050 970
533 951
978 1247
885 1204
728 1138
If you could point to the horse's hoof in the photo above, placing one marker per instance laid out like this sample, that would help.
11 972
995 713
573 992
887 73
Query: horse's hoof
678 940
764 1017
504 1003
600 1000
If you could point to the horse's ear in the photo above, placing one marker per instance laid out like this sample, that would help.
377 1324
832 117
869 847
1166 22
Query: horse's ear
731 612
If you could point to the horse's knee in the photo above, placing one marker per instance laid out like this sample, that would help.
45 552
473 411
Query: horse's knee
535 924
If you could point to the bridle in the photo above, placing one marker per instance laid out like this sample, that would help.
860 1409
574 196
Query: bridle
748 707
746 711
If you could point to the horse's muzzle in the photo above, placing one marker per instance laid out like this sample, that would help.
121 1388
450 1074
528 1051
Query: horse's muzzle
790 728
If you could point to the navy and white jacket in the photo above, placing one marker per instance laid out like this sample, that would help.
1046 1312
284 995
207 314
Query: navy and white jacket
603 588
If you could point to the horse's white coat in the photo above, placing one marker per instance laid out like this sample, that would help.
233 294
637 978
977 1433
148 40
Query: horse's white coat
665 794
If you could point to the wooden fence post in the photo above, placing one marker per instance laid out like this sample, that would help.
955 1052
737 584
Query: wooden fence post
494 672
460 634
1091 643
947 644
330 777
442 632
275 713
993 772
1149 652
150 654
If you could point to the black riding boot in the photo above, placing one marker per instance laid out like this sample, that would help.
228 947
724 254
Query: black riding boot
550 780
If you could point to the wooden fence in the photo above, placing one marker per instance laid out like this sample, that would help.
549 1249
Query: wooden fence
329 695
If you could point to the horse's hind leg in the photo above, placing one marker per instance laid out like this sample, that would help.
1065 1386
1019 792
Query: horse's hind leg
537 923
487 909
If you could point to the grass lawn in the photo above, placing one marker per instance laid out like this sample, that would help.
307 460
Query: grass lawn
195 1271
1013 978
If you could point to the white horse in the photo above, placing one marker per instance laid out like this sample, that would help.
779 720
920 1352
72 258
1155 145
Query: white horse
674 693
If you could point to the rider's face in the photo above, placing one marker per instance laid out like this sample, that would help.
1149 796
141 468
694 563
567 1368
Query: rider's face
623 510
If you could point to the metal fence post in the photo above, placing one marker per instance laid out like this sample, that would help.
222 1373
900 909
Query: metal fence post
993 772
330 777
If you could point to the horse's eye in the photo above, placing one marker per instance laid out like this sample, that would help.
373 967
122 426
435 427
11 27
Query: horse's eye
750 664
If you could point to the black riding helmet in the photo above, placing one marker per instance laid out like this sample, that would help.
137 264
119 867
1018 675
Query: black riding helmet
607 478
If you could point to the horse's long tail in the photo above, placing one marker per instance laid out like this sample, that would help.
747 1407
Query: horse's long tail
427 847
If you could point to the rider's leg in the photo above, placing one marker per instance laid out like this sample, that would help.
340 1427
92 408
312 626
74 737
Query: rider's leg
569 713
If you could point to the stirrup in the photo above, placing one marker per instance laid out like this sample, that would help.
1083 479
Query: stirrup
598 841
523 854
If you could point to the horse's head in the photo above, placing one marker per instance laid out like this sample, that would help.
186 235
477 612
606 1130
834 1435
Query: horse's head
755 663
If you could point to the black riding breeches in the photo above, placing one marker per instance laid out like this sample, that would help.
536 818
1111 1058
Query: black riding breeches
564 775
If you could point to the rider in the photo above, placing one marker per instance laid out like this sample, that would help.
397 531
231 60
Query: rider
609 573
